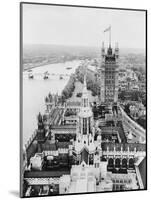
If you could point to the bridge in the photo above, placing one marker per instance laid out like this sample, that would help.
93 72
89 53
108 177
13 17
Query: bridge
39 75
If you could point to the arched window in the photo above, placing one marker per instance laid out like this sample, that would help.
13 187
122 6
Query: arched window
110 162
131 163
124 163
117 163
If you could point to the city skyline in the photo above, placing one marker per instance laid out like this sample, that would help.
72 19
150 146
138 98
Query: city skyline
84 27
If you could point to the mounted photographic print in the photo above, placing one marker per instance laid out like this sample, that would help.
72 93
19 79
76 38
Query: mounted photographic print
83 99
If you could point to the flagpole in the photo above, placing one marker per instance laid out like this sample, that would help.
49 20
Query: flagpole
109 29
110 37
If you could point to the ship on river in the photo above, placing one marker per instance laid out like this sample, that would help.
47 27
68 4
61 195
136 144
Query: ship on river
82 146
46 75
68 68
60 77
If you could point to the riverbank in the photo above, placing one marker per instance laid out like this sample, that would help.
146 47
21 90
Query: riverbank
32 66
35 91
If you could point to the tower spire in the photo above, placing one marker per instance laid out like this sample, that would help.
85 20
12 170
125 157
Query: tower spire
85 83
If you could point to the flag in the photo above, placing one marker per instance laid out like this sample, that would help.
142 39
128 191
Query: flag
107 29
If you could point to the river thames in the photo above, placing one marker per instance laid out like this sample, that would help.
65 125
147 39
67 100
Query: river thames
35 90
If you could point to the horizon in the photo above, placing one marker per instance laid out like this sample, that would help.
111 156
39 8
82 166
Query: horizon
44 47
87 46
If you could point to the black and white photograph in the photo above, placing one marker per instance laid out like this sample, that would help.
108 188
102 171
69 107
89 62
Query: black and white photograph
83 99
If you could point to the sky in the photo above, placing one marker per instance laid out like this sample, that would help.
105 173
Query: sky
63 25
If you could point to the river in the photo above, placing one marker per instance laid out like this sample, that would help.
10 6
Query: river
35 90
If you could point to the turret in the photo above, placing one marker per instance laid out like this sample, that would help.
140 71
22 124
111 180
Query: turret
49 102
50 97
85 139
85 99
46 99
116 50
85 115
40 132
40 121
109 71
109 51
103 51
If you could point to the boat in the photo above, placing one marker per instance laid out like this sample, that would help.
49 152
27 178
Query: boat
30 76
61 77
68 68
30 70
46 75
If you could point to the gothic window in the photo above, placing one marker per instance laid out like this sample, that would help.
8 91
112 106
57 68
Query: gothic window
131 163
89 124
84 126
